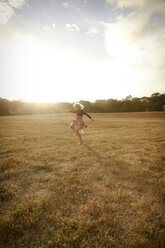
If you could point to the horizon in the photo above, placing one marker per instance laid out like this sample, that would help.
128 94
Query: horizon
64 51
99 99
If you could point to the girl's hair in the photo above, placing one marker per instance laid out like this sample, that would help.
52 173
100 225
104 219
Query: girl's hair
78 105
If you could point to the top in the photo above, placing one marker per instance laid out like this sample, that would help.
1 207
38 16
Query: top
80 113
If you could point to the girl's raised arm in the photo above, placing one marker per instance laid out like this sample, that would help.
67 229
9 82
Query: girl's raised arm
88 115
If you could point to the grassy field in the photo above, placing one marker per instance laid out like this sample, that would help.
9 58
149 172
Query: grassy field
108 192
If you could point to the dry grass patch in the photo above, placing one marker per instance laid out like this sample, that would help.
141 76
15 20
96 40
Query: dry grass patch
108 192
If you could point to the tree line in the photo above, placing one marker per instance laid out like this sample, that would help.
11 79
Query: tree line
156 102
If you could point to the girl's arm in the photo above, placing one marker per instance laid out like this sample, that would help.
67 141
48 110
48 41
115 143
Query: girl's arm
87 115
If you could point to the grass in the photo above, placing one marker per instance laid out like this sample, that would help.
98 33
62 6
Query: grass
108 192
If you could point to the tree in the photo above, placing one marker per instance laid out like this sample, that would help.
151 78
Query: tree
157 101
113 105
126 106
4 106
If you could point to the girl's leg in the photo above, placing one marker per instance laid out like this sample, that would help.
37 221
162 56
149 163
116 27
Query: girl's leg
73 129
78 134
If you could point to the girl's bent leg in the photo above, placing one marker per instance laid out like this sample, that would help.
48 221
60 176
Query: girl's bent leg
72 127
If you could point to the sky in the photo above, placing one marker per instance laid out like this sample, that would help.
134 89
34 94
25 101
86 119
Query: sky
71 50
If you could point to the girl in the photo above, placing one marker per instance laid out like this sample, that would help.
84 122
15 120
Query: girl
78 124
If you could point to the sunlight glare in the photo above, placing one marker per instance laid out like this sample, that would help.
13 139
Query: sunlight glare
50 75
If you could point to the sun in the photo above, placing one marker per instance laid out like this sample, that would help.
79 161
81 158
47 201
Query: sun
45 73
48 74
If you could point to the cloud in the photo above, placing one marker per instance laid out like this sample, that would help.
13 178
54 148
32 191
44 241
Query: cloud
68 5
140 7
92 30
49 28
111 1
72 27
118 39
136 39
141 30
17 3
147 5
7 9
6 12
